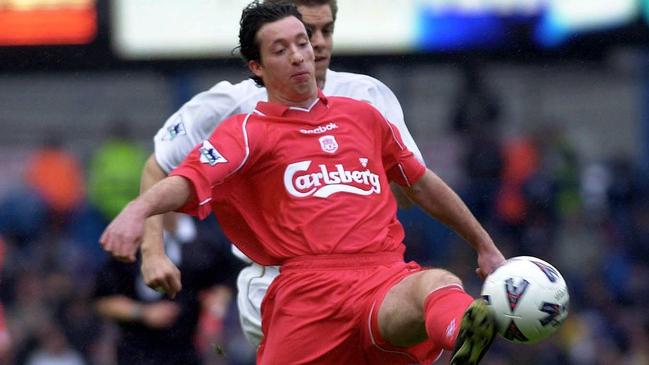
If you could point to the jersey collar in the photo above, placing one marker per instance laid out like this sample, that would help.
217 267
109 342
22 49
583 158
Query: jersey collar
279 110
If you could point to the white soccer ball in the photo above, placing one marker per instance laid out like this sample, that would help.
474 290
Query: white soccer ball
528 297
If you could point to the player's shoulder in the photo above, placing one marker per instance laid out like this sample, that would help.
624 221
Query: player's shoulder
352 80
361 87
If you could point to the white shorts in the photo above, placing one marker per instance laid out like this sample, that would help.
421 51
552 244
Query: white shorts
252 284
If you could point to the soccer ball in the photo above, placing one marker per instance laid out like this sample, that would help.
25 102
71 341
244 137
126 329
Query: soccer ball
528 297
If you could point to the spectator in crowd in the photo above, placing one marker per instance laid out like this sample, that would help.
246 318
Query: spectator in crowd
57 177
51 191
53 348
114 171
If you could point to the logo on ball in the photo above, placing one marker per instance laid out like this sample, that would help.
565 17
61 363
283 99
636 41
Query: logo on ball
515 292
550 272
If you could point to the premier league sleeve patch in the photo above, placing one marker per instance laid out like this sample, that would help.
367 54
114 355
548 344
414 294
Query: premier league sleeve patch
210 155
174 131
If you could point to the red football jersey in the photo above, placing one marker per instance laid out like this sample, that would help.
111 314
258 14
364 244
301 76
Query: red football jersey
286 181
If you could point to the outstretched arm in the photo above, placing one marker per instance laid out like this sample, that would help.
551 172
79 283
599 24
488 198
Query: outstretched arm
125 232
442 203
152 240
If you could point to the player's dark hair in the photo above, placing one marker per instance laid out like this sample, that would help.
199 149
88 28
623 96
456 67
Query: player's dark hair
255 16
333 4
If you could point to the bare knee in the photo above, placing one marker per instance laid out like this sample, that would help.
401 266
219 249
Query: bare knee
433 279
401 315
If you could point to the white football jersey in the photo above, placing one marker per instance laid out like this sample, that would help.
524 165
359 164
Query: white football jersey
195 121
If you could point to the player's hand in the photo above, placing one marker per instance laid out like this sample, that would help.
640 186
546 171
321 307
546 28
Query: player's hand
488 262
161 274
123 235
161 314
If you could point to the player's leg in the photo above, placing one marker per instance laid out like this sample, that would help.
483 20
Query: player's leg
432 304
252 283
402 314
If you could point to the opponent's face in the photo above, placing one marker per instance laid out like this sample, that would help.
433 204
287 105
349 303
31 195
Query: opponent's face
320 22
287 61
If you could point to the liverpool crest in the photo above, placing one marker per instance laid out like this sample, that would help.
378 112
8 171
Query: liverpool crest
328 144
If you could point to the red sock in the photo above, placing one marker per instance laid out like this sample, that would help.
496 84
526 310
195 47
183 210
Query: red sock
444 309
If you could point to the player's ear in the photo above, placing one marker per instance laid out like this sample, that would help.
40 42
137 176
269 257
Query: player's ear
256 68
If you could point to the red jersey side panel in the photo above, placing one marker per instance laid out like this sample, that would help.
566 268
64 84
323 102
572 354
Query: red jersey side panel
282 178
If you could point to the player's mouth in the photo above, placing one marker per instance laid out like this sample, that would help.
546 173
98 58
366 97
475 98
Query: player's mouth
321 59
301 76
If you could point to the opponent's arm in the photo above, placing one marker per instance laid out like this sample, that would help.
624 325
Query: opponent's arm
442 203
152 240
158 271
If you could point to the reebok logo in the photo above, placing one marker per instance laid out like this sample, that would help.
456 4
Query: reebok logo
300 183
320 129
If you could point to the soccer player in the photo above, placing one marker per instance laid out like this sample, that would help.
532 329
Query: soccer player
289 190
194 122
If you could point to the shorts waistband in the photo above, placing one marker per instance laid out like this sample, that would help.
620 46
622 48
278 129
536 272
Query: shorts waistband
341 261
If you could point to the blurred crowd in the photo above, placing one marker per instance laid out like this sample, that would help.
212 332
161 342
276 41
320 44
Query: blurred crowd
535 194
55 276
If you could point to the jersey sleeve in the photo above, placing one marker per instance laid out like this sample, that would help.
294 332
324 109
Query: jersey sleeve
212 161
401 165
196 120
383 99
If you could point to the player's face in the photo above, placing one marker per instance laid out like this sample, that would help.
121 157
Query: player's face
287 62
321 23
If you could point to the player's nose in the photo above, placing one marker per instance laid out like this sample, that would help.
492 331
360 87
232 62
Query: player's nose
317 39
296 56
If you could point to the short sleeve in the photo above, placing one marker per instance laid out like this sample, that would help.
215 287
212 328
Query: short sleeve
211 162
197 119
401 165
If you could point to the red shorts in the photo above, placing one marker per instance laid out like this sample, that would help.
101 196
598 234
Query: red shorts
324 310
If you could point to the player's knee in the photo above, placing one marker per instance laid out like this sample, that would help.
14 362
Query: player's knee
439 278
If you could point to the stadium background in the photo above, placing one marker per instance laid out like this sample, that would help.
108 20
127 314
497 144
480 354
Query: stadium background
537 112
